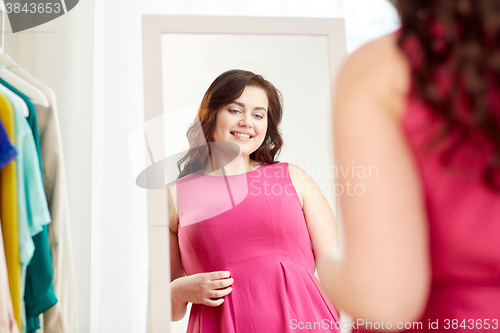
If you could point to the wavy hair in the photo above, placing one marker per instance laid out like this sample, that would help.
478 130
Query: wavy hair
458 40
226 88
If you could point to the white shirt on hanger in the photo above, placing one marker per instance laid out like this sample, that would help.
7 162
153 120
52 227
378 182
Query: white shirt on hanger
33 93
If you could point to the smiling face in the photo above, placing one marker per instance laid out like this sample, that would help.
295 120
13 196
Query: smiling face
244 121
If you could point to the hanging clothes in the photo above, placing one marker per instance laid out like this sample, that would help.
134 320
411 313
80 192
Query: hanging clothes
39 294
33 212
62 317
8 214
26 246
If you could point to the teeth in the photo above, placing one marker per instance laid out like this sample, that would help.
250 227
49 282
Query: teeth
242 135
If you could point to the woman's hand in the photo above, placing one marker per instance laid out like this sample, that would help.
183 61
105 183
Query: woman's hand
202 288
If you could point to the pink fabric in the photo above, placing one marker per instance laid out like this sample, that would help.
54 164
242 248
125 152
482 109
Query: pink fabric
464 228
253 226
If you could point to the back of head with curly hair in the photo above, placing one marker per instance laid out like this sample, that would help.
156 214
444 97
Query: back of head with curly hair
459 39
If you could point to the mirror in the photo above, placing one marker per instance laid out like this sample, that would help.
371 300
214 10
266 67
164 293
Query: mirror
301 57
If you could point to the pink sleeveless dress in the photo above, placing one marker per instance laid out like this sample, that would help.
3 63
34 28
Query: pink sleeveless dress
464 229
253 226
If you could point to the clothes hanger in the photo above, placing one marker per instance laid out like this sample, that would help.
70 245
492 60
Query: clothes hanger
34 94
19 100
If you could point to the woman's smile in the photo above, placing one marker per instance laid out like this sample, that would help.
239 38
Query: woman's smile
242 136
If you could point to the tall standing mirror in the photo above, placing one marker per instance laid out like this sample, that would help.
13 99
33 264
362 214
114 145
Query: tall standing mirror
183 55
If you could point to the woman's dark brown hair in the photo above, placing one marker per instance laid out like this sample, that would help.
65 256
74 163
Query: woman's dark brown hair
226 88
461 40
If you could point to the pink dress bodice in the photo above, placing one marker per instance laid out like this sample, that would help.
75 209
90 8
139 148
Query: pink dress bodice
253 226
464 227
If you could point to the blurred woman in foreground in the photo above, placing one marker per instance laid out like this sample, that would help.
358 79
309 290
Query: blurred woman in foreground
423 106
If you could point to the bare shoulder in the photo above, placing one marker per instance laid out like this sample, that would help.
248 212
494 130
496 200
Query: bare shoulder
300 180
378 67
297 173
379 59
296 176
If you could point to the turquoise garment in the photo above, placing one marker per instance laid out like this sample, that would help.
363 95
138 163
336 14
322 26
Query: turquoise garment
39 293
24 147
28 166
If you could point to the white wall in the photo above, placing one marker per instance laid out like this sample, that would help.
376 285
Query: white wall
367 20
120 264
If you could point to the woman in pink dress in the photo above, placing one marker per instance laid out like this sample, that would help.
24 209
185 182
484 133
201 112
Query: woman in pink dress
244 228
422 249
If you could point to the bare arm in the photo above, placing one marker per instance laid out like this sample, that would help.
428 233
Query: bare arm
385 273
176 269
317 212
203 288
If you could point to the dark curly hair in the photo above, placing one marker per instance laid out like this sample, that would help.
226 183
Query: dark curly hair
226 88
459 40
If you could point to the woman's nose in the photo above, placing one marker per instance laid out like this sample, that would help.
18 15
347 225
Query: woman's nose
245 122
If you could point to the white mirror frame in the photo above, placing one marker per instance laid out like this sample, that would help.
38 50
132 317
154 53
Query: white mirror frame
159 312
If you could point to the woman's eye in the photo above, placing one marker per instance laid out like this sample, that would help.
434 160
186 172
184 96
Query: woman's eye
234 111
258 116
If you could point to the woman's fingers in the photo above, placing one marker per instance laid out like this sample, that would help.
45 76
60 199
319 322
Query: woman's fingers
218 284
210 288
211 302
220 293
219 275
